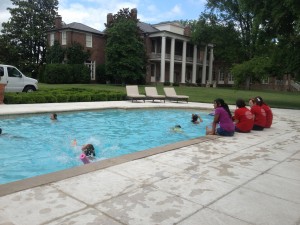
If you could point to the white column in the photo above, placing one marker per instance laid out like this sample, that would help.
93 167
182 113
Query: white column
211 59
194 65
204 66
172 60
183 66
163 59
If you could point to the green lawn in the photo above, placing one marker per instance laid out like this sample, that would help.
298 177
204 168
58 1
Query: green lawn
275 99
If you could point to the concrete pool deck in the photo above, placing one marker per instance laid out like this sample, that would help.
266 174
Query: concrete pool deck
246 179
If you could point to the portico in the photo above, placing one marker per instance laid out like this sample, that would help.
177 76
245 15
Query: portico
175 59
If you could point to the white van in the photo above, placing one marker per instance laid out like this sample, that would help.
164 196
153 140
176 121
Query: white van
15 80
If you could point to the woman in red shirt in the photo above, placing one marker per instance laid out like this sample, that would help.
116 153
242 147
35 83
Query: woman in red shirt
259 114
243 117
269 113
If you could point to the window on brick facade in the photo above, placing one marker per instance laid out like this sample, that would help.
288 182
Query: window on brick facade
230 77
51 39
63 38
221 76
265 81
88 40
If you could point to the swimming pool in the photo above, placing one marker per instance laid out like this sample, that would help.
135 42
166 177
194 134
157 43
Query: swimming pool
32 145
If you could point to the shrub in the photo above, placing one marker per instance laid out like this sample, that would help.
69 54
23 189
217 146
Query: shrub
62 98
50 98
99 97
57 74
79 74
58 95
101 74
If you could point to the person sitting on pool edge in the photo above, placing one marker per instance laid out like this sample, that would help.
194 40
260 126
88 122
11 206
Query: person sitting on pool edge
195 118
243 117
223 118
89 151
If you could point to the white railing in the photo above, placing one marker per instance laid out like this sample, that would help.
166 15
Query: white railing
295 85
168 56
92 67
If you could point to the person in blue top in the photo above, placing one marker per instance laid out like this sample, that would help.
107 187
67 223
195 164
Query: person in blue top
223 118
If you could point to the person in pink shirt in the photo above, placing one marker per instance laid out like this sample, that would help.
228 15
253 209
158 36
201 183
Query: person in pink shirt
223 118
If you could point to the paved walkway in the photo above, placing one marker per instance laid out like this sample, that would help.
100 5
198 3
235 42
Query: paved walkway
246 179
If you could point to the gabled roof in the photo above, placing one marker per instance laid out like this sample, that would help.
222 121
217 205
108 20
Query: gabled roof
79 27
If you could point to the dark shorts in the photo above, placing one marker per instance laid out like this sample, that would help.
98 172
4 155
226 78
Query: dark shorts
223 132
256 127
240 131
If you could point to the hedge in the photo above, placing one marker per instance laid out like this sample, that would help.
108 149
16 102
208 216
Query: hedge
65 74
61 95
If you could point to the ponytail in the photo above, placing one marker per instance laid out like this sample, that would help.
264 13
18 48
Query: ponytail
220 102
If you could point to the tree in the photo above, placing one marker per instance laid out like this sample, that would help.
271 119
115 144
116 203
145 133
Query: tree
254 69
281 20
125 52
227 48
27 26
8 52
55 53
76 54
268 28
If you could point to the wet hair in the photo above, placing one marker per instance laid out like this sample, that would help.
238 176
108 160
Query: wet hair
177 126
54 116
0 131
89 150
221 102
195 117
240 103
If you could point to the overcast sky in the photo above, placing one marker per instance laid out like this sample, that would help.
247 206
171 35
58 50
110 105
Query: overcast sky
93 12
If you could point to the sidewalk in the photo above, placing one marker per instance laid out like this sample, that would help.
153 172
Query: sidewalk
246 179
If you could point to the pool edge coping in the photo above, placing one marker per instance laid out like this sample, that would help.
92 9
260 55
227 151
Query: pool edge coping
32 182
20 185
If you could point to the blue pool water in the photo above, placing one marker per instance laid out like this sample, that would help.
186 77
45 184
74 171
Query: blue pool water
32 145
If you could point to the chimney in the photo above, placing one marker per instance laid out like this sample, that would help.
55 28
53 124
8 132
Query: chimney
58 21
134 13
187 31
109 18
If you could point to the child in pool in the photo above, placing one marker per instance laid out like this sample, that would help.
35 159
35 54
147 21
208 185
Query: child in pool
195 118
177 129
89 151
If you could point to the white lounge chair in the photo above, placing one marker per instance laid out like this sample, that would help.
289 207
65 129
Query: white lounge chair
133 93
172 96
151 93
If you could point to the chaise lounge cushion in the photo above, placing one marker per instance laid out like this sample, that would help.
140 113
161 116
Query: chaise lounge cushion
151 93
171 94
133 93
